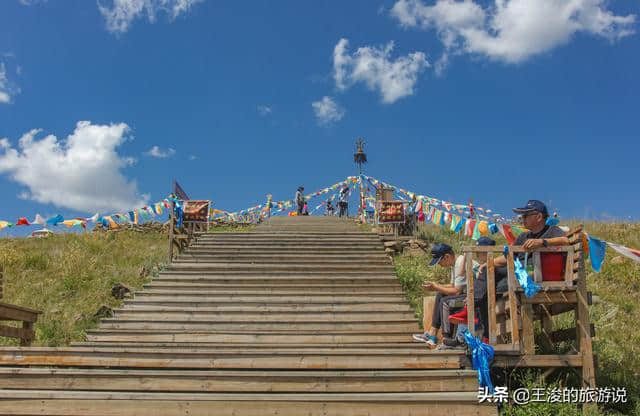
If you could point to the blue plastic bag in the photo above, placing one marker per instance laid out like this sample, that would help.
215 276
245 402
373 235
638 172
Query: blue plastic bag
526 282
481 358
522 276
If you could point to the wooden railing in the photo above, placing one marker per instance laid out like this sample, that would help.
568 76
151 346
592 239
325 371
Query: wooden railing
27 316
511 315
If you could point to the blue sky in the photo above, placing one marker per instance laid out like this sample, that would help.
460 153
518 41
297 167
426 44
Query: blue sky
456 100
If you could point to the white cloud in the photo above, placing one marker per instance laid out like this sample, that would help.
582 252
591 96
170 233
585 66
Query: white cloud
155 151
82 172
264 110
373 66
511 30
122 12
327 111
192 157
30 2
7 89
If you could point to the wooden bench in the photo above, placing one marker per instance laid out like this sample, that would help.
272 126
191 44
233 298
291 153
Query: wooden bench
27 316
513 333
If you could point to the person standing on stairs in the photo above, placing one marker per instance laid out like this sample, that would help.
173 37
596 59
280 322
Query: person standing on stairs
343 202
300 199
330 209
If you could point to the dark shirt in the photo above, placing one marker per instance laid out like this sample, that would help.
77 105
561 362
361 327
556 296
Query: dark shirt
547 232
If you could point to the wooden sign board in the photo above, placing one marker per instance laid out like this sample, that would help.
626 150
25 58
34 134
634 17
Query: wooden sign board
391 212
196 210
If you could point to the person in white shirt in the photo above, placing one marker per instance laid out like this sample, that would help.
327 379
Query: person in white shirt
444 256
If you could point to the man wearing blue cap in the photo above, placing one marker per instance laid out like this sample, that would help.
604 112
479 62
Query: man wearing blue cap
534 218
444 256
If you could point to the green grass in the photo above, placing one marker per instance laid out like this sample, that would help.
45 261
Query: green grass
616 317
69 276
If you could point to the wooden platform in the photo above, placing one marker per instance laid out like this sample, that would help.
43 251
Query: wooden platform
302 316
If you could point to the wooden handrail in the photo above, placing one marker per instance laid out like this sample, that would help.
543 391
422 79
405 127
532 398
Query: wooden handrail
27 316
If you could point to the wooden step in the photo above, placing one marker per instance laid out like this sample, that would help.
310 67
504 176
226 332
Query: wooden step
212 324
283 262
337 279
408 344
290 316
285 245
275 266
371 308
269 287
203 299
295 259
234 358
112 403
232 293
243 337
279 274
293 249
246 381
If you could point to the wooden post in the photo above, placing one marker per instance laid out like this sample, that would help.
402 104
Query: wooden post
470 301
1 280
491 298
537 267
27 335
171 219
528 344
513 305
568 273
583 323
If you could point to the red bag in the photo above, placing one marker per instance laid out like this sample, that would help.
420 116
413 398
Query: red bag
553 266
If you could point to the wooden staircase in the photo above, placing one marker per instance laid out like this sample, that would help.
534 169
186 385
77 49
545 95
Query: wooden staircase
302 316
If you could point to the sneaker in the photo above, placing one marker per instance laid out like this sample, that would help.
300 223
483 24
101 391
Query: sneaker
444 346
450 342
426 338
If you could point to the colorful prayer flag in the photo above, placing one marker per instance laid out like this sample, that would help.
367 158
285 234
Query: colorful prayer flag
22 221
507 233
55 220
631 253
476 231
597 249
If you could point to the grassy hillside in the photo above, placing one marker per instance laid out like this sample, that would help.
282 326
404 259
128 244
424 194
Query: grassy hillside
616 317
69 276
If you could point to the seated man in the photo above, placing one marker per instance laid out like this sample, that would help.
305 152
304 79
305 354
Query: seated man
534 217
458 339
444 256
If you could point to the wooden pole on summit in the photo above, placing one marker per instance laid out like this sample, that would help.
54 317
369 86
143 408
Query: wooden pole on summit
360 158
